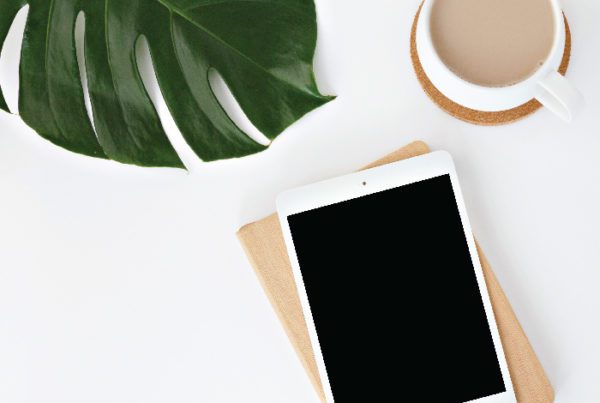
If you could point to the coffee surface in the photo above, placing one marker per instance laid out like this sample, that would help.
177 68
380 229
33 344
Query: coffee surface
494 43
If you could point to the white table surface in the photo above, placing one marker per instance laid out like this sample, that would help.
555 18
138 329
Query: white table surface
122 284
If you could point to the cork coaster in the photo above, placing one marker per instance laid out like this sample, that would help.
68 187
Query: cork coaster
472 115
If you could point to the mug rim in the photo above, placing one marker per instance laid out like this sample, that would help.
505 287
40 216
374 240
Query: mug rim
525 85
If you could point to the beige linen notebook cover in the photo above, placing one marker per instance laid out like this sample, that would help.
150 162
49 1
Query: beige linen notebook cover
266 251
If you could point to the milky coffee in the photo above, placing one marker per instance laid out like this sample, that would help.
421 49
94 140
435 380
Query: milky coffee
494 43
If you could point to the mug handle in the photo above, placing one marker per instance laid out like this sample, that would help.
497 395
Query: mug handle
556 93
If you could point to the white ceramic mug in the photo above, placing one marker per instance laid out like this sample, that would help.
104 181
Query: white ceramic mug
546 85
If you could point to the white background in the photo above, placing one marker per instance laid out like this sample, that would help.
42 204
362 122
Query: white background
122 284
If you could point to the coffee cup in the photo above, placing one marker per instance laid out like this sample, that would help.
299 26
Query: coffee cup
495 55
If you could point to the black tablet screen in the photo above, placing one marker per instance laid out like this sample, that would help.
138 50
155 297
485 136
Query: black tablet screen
394 297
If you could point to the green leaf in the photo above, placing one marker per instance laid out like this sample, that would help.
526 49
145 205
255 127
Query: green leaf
263 49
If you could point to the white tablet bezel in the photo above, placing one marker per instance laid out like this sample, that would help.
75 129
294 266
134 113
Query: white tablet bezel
372 181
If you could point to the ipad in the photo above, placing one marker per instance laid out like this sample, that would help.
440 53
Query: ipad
392 288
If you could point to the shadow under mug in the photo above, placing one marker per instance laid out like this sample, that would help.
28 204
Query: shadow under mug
546 85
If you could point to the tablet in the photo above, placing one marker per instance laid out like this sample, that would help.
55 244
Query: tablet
392 288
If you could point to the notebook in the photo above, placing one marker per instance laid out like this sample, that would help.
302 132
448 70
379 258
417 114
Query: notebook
264 246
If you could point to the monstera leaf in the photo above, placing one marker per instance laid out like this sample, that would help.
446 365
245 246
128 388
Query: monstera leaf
263 49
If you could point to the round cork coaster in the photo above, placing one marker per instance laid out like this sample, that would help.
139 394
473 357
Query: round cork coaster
472 115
